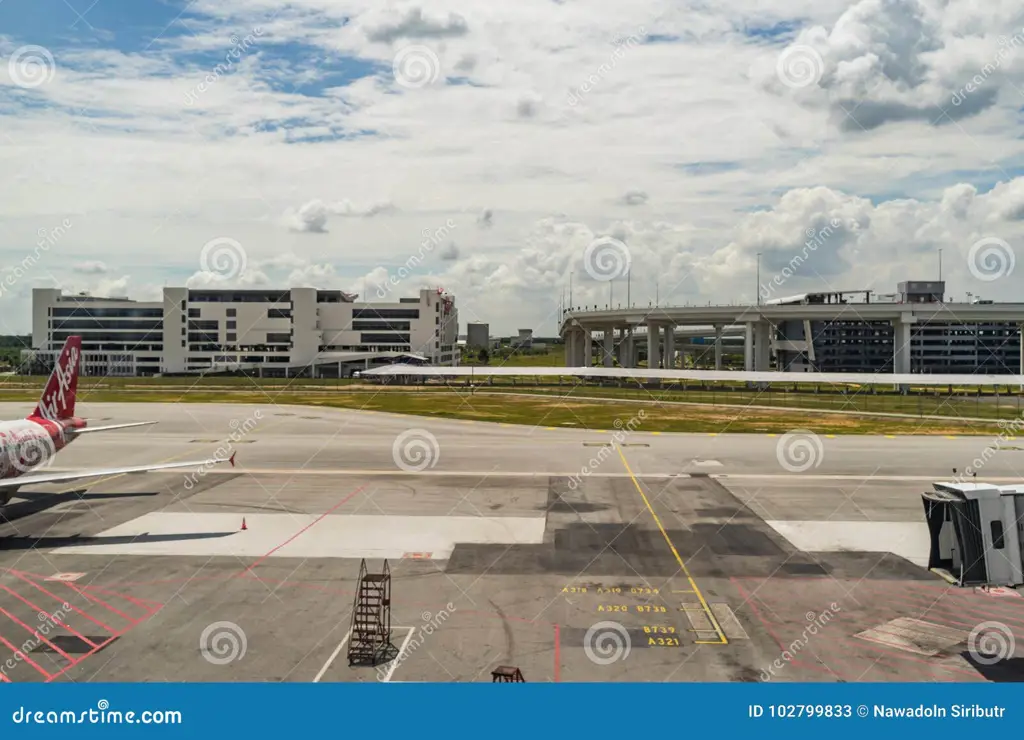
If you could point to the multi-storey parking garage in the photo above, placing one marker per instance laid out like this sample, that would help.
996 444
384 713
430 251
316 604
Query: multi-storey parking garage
913 331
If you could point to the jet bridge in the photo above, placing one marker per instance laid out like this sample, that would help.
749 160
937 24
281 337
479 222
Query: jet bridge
977 531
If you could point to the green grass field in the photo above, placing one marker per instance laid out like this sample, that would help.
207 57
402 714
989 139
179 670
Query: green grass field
557 412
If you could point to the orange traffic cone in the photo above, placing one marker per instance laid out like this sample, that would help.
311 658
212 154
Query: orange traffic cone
243 524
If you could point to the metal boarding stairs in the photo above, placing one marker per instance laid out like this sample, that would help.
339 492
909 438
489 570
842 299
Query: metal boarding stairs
370 640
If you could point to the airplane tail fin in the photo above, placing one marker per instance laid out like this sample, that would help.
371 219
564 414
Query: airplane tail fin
58 399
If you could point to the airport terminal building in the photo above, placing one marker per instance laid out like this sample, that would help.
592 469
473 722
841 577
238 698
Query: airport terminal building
272 333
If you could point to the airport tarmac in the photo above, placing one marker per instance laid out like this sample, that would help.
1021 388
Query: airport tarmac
615 555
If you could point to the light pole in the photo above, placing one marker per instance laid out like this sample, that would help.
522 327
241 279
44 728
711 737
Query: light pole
759 278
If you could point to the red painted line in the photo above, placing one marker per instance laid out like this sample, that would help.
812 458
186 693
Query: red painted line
896 656
3 677
151 607
964 602
40 610
305 529
104 604
27 659
558 654
33 632
62 601
748 601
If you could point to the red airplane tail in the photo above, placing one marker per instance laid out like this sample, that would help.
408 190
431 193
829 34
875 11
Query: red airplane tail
58 399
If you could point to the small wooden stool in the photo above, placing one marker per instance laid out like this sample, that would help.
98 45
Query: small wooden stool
507 674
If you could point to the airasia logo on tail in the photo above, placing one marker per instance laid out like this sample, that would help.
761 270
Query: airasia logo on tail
55 400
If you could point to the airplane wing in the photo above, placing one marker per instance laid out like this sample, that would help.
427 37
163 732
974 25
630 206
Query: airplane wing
45 478
87 430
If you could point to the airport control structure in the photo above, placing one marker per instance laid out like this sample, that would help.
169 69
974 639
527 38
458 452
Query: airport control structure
264 332
914 330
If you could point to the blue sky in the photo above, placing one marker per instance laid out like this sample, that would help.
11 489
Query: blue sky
325 138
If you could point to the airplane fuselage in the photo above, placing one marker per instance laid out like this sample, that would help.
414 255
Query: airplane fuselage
27 444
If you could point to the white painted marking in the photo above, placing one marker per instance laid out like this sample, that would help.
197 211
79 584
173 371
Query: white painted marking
909 540
65 577
211 534
332 658
707 463
401 651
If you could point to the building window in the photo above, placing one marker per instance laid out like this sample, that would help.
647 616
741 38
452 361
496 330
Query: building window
279 313
278 338
998 542
232 325
232 337
232 311
193 313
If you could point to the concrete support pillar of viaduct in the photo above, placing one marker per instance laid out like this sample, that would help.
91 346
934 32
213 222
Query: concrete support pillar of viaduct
670 347
608 353
588 348
762 346
901 344
568 339
748 346
630 342
718 348
653 345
